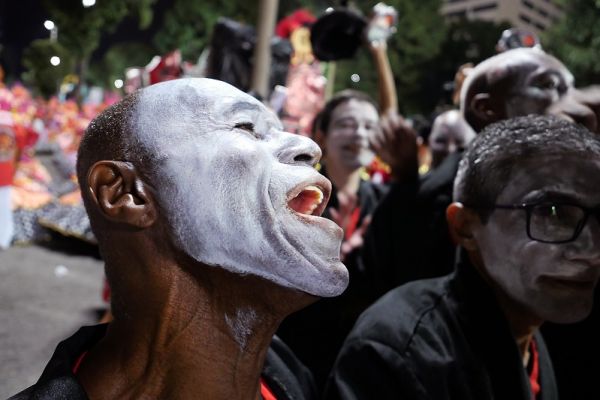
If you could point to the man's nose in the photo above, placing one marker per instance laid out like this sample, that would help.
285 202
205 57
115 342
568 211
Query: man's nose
584 115
571 108
298 149
363 132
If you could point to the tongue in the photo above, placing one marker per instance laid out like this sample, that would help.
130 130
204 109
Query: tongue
305 202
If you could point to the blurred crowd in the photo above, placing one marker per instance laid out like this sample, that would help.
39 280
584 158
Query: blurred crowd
39 146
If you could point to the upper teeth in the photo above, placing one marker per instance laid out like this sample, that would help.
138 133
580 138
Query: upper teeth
319 198
307 201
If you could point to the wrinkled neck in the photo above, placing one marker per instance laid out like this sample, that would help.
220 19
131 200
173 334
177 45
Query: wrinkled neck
189 332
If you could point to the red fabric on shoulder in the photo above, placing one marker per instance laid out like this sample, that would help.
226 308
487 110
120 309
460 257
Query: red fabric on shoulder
78 362
265 392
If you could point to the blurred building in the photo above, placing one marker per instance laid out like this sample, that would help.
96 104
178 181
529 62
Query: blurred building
533 15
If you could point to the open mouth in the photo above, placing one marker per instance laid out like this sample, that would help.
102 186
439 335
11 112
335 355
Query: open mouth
309 200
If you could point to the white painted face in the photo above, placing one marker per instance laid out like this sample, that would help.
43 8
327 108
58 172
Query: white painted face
351 127
450 133
540 80
237 191
553 281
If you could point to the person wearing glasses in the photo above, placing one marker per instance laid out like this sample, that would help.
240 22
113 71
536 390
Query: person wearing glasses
526 214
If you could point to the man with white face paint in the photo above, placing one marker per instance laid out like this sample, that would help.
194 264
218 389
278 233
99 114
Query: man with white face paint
520 82
530 252
208 217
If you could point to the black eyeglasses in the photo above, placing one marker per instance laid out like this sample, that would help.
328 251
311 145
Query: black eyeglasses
554 222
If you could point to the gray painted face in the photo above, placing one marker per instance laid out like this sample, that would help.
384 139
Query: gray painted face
540 80
237 191
553 281
450 133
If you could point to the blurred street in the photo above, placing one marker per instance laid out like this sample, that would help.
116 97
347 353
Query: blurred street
45 295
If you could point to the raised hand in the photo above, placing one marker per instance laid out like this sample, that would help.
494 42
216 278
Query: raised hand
396 145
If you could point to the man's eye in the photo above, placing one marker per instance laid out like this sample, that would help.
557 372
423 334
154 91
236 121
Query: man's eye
246 126
546 210
559 212
548 83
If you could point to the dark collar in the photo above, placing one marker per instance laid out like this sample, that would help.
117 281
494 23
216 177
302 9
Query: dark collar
57 380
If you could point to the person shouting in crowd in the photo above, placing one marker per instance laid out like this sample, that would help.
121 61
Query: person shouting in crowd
207 215
529 236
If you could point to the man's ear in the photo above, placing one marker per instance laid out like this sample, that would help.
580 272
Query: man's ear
461 222
120 194
482 107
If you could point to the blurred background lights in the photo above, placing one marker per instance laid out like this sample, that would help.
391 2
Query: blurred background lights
48 24
88 3
55 60
355 78
118 83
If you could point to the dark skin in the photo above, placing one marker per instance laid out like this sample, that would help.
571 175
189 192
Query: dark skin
522 323
172 336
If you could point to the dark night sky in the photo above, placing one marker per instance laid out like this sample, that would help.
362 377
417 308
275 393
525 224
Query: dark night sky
21 22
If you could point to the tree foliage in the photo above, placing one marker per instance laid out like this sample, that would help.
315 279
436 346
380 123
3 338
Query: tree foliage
42 76
465 41
187 25
80 28
118 58
576 40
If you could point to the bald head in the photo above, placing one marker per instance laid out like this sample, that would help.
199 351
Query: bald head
514 83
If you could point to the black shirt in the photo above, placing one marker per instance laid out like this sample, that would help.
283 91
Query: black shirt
438 339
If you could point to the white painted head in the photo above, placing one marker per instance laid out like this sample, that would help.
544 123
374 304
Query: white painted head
237 191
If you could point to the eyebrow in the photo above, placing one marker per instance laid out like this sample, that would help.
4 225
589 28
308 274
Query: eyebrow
551 196
241 106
